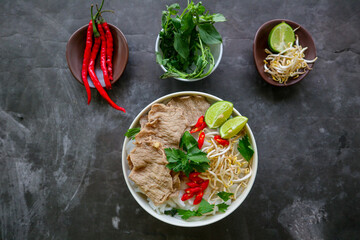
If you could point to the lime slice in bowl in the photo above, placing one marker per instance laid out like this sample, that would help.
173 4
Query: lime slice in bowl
232 127
280 37
218 113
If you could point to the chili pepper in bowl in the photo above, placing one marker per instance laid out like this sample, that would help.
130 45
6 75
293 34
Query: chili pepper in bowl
109 48
103 56
86 60
92 74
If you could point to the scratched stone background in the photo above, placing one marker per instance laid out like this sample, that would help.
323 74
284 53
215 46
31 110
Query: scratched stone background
60 159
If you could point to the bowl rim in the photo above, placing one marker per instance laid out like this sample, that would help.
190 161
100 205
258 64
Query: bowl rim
268 79
171 220
122 36
194 79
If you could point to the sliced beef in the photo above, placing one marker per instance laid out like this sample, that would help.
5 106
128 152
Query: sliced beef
166 124
149 171
193 107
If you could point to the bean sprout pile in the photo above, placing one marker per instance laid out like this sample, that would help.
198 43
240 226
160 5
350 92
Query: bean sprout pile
288 63
228 171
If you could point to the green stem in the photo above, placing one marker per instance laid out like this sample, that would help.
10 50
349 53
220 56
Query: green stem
96 33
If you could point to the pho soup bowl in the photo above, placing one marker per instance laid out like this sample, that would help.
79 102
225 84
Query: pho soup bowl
216 50
142 199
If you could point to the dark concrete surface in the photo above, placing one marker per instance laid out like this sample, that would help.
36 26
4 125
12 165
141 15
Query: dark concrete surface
60 159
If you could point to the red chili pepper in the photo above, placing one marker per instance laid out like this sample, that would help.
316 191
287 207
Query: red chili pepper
200 125
92 74
103 56
192 184
204 185
221 141
198 198
109 49
186 196
193 190
201 140
193 175
86 60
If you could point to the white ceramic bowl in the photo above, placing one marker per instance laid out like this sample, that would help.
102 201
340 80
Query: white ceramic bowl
216 50
141 199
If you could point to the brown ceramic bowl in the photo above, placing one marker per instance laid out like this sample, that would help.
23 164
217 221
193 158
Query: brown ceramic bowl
261 42
75 52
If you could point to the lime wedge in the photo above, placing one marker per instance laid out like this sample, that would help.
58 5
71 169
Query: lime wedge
280 37
218 113
232 127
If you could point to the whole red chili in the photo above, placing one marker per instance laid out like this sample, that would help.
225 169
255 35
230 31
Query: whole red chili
201 140
92 74
200 125
221 141
198 198
109 49
86 60
103 56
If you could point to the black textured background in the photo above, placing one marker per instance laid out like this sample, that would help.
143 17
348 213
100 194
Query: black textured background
60 159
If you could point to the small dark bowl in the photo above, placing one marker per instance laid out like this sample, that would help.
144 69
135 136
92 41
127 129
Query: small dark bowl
75 53
261 42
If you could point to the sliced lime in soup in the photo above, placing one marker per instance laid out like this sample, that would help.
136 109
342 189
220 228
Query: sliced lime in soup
218 113
232 127
280 37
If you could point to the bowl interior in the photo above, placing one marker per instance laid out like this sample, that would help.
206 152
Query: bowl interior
261 42
75 52
141 199
216 50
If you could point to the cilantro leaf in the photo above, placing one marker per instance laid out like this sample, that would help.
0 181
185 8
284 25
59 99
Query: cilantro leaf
222 207
187 141
171 212
131 133
224 195
205 207
186 214
245 148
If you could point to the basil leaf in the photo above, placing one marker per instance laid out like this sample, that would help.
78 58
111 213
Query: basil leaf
217 17
209 34
171 212
187 23
181 45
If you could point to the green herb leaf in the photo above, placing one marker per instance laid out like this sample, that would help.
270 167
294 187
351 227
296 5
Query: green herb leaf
217 17
171 212
245 148
222 207
187 162
187 23
186 214
224 195
181 45
131 133
173 8
205 207
187 141
209 34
